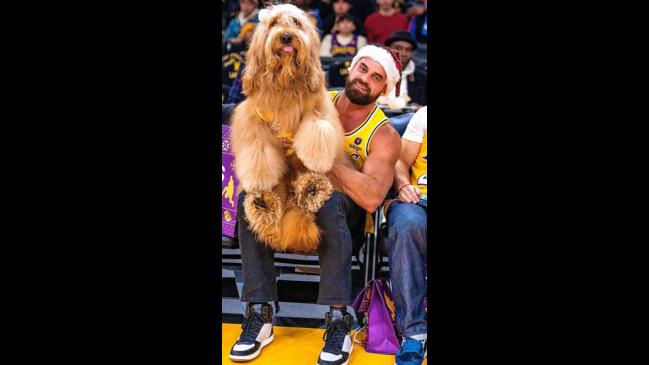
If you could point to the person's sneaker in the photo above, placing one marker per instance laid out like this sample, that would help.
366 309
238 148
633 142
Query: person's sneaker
412 352
257 333
338 343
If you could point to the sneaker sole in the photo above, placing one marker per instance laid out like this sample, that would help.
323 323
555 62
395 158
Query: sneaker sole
254 354
348 357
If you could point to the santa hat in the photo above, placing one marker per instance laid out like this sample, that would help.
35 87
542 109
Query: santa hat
385 57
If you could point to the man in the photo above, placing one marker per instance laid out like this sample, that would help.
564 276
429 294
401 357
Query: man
406 241
404 44
374 145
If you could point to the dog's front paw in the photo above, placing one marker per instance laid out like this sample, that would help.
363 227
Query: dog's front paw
263 212
316 144
312 190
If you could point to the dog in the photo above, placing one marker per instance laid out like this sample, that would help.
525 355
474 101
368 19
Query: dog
286 134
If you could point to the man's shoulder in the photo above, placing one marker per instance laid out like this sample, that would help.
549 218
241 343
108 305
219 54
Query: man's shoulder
387 138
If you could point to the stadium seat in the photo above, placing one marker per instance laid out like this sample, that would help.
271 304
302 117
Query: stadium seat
226 113
418 90
337 72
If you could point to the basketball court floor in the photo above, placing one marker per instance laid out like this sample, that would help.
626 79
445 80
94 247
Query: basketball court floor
296 346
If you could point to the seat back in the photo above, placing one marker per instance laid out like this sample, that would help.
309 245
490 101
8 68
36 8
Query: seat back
338 71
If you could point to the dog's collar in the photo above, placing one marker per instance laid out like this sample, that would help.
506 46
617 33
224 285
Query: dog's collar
267 117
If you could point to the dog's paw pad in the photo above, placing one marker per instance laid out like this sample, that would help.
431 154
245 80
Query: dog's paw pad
312 190
260 203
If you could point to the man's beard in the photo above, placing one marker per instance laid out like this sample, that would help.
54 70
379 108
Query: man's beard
356 96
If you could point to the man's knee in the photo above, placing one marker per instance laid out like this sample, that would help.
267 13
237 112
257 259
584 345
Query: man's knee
333 206
407 219
240 199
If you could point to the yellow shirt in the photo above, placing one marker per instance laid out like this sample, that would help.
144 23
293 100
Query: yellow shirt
357 142
417 131
419 170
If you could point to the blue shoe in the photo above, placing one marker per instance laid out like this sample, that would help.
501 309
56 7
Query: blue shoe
412 352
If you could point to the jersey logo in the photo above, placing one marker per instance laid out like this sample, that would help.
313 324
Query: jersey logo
423 180
358 140
355 156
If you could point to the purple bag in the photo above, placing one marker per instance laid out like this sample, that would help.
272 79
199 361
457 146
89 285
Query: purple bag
229 186
375 308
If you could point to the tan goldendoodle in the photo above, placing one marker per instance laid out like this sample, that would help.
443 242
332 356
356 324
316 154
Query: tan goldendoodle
286 101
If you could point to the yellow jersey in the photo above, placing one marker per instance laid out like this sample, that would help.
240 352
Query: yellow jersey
357 142
419 170
417 131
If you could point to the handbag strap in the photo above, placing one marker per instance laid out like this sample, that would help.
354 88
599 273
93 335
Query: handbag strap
356 334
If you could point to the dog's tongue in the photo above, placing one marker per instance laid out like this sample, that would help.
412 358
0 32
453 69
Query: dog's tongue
288 48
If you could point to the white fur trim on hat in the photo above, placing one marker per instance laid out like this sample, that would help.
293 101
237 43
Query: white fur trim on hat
383 58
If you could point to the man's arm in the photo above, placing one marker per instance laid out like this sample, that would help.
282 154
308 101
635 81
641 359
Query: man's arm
409 151
368 187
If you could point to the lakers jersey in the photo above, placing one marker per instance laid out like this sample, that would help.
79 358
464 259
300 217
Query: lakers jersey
357 142
419 170
417 131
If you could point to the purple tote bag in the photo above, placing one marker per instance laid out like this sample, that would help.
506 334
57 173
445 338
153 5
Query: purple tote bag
375 305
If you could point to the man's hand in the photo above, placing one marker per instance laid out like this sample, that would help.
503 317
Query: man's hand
409 194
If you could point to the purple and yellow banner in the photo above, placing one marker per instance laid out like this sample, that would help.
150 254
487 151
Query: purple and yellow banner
229 185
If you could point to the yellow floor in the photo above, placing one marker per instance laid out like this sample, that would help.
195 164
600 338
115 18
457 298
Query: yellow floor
296 346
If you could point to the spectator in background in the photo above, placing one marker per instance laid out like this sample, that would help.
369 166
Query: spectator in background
248 13
340 7
404 44
380 25
361 9
229 10
345 42
235 96
419 22
406 241
313 12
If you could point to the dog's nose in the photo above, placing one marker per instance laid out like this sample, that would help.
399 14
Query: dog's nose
286 38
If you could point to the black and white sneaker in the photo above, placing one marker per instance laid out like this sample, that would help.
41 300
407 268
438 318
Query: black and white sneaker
338 342
257 333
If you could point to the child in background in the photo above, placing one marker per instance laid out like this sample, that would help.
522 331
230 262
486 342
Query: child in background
381 24
341 7
344 42
248 13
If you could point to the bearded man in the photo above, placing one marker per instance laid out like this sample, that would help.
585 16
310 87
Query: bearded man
375 146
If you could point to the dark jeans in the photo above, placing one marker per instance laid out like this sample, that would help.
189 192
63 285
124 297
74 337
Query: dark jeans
406 246
337 219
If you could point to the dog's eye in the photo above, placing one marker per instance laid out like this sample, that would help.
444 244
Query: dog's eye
296 22
274 23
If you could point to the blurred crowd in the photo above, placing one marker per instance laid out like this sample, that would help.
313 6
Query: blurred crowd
345 26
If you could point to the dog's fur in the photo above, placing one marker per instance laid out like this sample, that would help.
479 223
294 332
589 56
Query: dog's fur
283 193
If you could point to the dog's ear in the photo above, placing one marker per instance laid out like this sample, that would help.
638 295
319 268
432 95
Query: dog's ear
264 14
315 78
312 60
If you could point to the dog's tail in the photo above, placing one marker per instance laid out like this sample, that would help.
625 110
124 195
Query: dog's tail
299 231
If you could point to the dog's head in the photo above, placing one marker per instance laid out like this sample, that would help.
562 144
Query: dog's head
284 50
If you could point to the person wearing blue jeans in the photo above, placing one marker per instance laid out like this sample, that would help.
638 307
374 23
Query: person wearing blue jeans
406 241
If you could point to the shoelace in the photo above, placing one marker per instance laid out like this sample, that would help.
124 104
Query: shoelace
251 326
334 336
411 348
